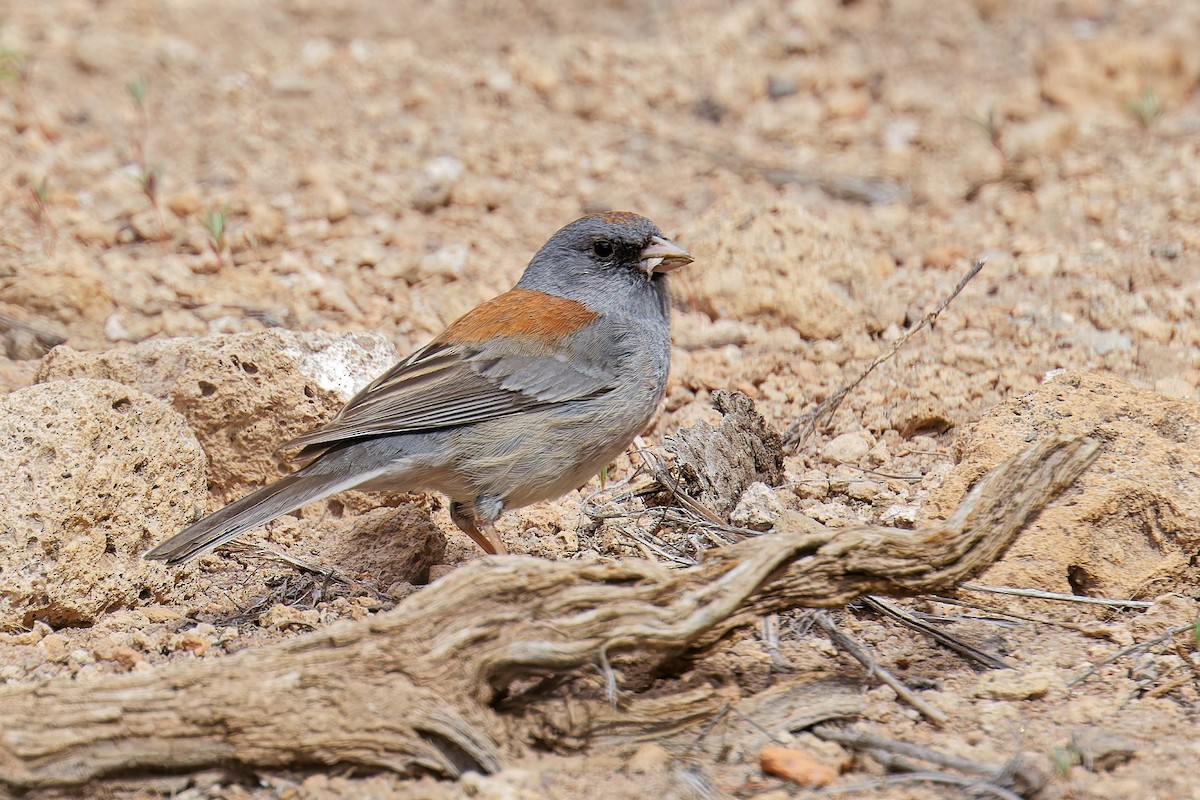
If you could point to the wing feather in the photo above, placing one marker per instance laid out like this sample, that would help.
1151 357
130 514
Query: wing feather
447 384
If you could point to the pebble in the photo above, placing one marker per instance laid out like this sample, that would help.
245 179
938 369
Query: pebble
796 765
649 757
757 509
778 88
866 491
812 484
1011 684
337 207
899 516
847 448
55 648
1039 265
281 616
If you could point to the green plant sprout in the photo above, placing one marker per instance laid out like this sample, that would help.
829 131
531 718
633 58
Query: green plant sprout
13 66
216 222
149 176
1147 107
38 211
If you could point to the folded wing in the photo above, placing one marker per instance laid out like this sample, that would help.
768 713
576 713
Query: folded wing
462 377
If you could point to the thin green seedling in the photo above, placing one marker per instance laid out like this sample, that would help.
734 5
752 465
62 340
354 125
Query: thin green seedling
38 211
993 128
1146 107
149 175
13 66
216 222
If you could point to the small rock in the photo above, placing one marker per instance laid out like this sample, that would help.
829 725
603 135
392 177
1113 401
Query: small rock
779 88
55 648
847 448
281 616
758 508
813 484
438 571
316 53
449 261
80 658
337 207
866 491
648 758
796 765
847 104
1011 684
943 257
161 613
184 204
292 84
125 657
91 231
1169 250
1101 750
191 641
925 415
899 516
791 521
1039 265
369 253
1104 342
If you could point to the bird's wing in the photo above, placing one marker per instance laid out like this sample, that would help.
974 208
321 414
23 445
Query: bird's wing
521 351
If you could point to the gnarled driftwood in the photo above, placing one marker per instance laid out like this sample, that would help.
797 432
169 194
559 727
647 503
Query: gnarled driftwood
414 688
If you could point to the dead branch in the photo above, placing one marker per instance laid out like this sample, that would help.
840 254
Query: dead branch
845 642
968 651
413 689
1014 779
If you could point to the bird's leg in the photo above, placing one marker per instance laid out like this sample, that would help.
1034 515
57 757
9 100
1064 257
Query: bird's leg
481 531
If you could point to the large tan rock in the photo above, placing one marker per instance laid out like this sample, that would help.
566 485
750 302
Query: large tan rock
91 474
1130 527
243 394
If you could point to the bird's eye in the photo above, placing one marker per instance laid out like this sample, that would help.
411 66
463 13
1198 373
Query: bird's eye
603 248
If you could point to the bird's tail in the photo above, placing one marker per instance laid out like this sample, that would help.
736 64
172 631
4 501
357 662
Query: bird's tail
256 508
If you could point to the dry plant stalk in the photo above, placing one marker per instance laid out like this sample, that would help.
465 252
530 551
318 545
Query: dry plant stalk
801 429
415 688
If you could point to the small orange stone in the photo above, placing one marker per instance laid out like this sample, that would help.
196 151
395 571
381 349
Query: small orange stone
795 765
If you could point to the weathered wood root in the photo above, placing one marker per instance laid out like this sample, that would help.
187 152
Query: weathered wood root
411 689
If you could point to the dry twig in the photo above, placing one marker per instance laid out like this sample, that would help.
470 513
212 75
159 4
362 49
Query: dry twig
874 668
1012 779
1131 649
982 657
802 428
1066 598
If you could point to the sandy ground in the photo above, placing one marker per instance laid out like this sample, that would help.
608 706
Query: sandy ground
833 167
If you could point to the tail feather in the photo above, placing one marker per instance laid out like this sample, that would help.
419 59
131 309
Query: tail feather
256 508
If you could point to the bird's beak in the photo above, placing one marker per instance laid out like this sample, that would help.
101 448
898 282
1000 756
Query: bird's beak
662 255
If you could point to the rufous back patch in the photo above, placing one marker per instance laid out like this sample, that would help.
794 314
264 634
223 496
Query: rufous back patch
620 217
519 312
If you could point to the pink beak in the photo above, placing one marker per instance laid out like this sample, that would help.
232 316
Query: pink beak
663 255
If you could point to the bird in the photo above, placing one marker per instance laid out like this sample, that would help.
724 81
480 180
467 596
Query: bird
520 400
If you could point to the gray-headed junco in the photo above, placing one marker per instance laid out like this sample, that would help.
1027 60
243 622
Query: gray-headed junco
520 400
